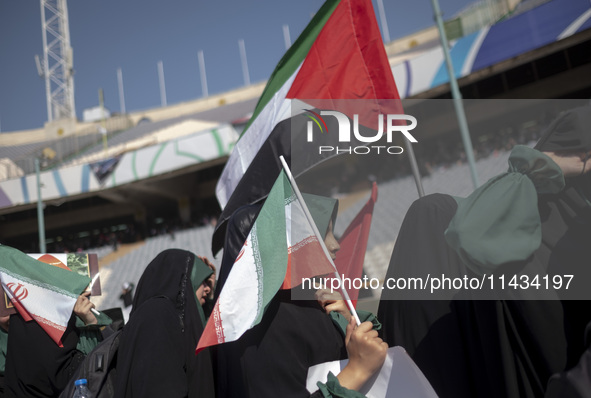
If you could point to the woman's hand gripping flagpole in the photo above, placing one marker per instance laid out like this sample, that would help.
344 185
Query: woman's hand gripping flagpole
89 288
320 238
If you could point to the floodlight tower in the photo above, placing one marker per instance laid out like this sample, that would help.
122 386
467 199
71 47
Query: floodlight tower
57 67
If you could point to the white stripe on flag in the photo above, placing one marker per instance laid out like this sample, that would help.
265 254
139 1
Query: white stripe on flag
299 231
276 110
239 310
45 303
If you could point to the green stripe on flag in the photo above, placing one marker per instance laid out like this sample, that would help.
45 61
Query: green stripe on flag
37 283
294 57
258 266
272 242
25 268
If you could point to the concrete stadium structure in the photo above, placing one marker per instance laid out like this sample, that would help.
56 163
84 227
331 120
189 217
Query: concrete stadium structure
554 64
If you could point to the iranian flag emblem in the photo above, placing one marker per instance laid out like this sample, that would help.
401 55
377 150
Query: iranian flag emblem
40 291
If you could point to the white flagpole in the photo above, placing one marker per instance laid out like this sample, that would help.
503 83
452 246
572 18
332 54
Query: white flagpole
320 238
162 86
202 74
286 37
384 22
408 146
121 93
456 95
245 73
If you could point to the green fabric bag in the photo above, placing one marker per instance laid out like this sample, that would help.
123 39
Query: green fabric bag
499 222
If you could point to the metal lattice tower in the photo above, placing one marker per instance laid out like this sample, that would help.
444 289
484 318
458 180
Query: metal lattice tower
57 67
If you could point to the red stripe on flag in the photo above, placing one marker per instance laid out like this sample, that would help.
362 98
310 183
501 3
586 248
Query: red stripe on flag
306 259
19 307
214 332
350 258
348 61
54 330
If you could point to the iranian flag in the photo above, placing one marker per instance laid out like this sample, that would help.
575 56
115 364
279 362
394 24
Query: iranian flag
40 291
279 238
339 55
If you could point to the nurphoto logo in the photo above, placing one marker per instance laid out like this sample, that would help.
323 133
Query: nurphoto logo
393 124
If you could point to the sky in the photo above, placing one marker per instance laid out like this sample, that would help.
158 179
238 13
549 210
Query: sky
135 35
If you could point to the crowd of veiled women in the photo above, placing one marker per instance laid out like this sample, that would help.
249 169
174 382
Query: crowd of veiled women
156 355
534 218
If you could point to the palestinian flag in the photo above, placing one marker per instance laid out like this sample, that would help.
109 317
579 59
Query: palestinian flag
339 55
40 291
278 246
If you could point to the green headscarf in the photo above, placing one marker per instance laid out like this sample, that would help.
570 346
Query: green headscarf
322 209
199 274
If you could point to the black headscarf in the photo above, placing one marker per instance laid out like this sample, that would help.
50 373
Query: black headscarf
571 130
501 348
157 349
272 359
505 348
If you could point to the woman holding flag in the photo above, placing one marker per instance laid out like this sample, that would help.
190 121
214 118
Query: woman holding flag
37 365
273 357
53 329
